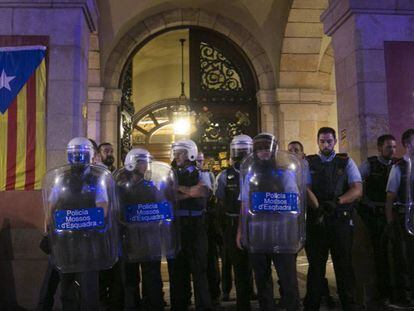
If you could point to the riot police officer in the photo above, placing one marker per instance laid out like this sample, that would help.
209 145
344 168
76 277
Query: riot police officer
213 236
147 227
80 223
227 193
272 217
193 191
399 195
374 172
336 183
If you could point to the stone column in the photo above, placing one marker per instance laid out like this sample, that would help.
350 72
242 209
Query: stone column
109 116
359 30
95 98
266 101
302 112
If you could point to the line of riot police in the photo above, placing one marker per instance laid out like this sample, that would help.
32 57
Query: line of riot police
149 210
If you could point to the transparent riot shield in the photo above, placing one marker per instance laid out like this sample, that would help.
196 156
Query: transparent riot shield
408 179
80 210
273 205
147 202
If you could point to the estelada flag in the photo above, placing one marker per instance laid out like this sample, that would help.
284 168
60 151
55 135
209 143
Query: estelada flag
22 117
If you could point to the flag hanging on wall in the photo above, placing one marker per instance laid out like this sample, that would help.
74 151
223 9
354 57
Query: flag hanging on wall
22 117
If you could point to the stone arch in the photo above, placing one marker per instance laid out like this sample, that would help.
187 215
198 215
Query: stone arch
144 30
306 91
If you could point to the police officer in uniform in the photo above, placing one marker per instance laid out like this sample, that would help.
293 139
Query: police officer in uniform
403 243
79 253
265 177
374 172
227 193
136 187
336 183
213 271
193 191
111 289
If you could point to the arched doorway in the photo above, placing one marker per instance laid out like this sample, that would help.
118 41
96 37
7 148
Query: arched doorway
221 89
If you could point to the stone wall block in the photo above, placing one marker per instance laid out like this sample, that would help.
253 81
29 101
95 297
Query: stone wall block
64 63
262 64
299 62
287 95
56 157
301 45
266 80
63 97
303 30
190 16
350 70
310 4
375 97
224 25
304 15
155 23
371 65
139 32
252 48
60 25
173 18
94 42
94 77
94 60
238 34
207 19
6 22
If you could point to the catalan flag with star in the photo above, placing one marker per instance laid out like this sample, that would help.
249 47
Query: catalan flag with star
22 117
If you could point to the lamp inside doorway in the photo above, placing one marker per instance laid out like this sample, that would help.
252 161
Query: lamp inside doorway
181 112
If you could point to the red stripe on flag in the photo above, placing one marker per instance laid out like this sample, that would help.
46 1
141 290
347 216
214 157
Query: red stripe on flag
11 145
31 132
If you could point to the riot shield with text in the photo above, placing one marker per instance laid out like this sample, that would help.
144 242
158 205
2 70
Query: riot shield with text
273 204
80 210
147 200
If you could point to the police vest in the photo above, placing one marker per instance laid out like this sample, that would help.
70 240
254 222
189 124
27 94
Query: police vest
189 176
403 195
376 182
81 190
329 179
141 191
232 191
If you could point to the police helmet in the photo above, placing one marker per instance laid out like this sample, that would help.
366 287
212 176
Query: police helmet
240 146
135 155
264 142
185 145
80 151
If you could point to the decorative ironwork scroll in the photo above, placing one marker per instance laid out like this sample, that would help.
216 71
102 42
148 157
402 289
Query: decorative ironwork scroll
217 72
127 111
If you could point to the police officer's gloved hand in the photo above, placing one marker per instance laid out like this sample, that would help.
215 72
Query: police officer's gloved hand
329 207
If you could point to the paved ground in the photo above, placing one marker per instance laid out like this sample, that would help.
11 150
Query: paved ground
302 265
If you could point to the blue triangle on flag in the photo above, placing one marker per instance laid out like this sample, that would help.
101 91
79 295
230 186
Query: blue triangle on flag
17 64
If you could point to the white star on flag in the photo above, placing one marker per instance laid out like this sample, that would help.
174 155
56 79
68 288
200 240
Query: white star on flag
5 80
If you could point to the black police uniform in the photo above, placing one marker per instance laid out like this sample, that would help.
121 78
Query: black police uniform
402 268
194 246
152 296
285 263
111 287
238 258
214 240
372 212
81 193
332 231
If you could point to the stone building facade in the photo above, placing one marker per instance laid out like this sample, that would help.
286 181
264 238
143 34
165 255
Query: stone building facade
317 63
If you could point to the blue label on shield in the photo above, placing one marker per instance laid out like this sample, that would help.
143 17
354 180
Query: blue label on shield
79 219
146 212
274 202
